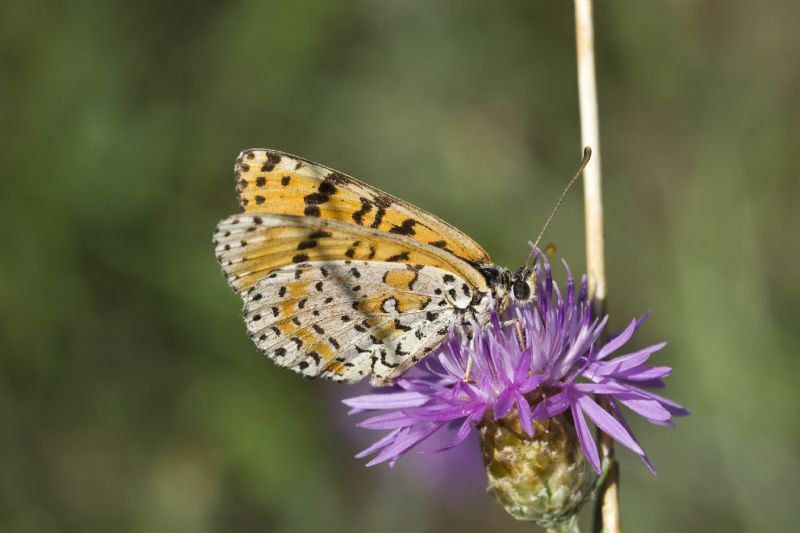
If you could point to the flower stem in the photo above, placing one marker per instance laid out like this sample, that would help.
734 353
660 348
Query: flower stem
607 509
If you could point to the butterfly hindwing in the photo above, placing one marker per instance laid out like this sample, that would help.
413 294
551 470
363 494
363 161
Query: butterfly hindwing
344 320
269 181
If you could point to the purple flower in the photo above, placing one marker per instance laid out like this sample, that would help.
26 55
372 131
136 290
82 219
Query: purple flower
555 367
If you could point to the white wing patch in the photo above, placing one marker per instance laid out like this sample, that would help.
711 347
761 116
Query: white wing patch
344 320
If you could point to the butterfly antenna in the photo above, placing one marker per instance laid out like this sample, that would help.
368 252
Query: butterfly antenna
587 154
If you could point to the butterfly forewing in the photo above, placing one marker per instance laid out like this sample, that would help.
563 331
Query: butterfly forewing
269 181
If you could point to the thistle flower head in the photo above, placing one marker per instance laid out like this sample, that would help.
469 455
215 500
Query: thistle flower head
538 368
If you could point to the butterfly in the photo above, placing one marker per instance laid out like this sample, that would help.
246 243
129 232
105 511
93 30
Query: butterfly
343 281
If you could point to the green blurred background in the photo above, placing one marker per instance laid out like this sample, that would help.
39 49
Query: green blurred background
130 397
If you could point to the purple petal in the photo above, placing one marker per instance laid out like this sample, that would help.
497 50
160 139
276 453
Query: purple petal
674 408
608 423
618 415
385 441
585 438
443 413
626 362
650 409
392 420
404 441
531 383
503 404
462 433
393 400
644 373
555 405
523 366
524 412
618 341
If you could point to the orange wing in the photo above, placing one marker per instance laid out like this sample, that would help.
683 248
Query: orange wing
251 245
274 182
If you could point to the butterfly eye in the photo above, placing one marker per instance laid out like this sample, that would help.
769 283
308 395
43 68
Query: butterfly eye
521 289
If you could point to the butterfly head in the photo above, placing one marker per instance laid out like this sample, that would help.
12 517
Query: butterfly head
522 284
504 285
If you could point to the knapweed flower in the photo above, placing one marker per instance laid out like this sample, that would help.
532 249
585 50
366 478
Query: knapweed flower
535 374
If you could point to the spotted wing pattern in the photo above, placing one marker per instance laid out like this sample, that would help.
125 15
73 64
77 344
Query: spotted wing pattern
340 301
339 279
269 181
249 245
344 320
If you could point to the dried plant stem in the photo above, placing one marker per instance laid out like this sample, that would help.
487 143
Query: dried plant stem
607 510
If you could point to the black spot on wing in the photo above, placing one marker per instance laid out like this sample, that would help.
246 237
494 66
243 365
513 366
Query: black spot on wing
378 217
385 362
403 256
316 198
336 178
382 202
366 207
271 162
406 228
327 187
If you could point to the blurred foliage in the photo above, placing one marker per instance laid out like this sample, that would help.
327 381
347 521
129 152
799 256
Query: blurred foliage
130 398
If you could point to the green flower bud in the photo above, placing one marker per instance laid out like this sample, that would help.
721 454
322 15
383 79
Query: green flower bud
544 478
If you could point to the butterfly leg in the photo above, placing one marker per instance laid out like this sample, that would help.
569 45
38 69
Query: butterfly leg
520 333
469 367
